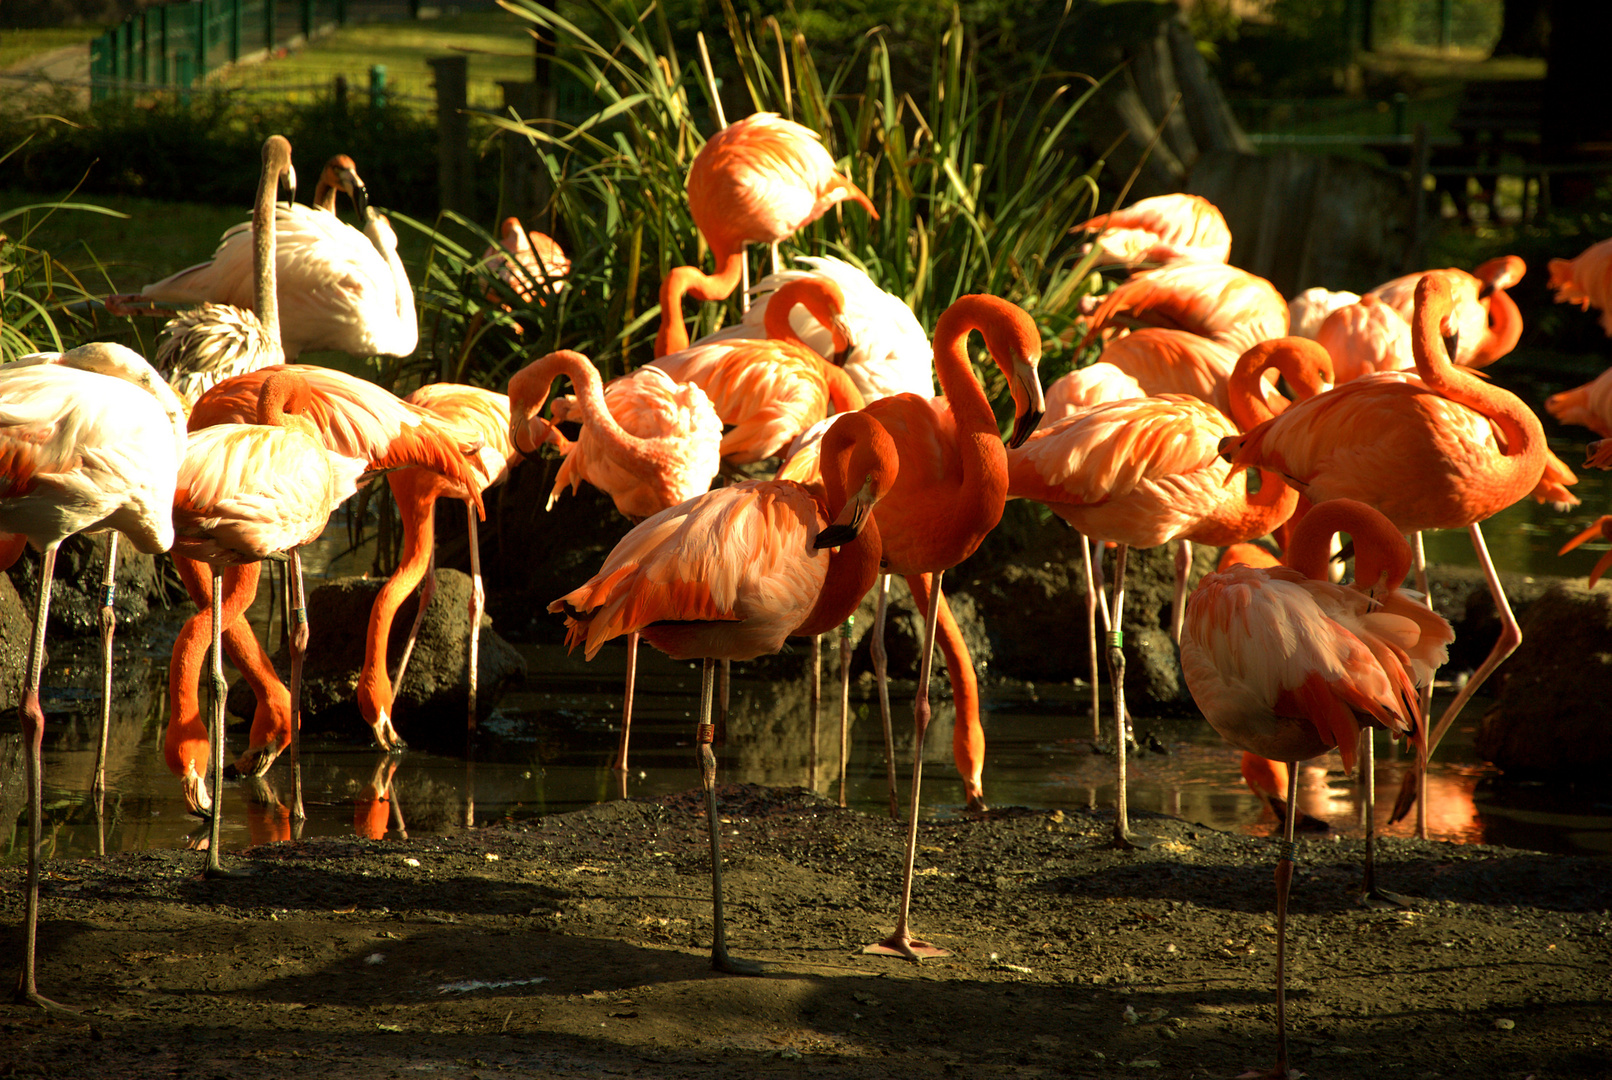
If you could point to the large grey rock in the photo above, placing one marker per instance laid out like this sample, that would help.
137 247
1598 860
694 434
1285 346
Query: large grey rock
15 627
1550 714
1461 594
75 590
430 709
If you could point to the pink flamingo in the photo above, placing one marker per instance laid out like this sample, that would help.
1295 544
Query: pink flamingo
734 572
1486 321
1287 665
90 439
1161 229
1219 302
757 181
1441 449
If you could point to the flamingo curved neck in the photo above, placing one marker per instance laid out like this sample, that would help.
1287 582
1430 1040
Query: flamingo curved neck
1524 437
529 391
1503 333
692 281
1382 557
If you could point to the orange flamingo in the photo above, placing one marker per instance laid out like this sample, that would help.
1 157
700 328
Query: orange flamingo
529 263
472 417
1161 229
1146 471
1152 360
1366 336
1588 406
757 181
1287 665
1586 280
647 441
90 439
246 492
1441 449
1216 301
1486 318
948 494
888 353
353 418
772 389
732 573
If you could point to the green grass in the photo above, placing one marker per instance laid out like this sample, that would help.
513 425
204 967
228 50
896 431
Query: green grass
496 45
18 45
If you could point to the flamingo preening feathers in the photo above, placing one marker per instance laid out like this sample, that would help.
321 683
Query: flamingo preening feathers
1161 229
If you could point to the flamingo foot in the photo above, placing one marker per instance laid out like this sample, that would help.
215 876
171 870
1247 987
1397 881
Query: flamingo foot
977 805
222 873
1382 898
905 946
721 961
1130 840
31 996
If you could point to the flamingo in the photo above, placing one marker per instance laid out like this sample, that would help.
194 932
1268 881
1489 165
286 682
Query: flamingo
214 341
757 181
948 494
1588 406
340 288
353 418
527 262
1287 665
771 389
1310 308
889 352
1441 449
474 417
1161 229
1586 280
246 492
90 439
1366 336
1145 471
734 572
1600 529
1488 324
647 441
1216 301
1153 360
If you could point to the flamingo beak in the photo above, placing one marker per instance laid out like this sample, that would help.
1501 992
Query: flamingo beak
1451 340
853 516
288 180
255 762
359 192
197 801
1029 403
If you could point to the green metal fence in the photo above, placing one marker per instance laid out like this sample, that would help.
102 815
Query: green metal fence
178 44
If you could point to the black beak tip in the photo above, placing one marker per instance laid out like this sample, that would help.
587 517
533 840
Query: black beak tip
1451 341
834 536
1023 428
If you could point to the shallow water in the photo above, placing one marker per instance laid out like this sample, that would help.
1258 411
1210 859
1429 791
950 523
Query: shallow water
547 747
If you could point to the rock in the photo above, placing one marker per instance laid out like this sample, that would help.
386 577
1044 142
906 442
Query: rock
1461 594
75 591
1550 714
15 628
430 710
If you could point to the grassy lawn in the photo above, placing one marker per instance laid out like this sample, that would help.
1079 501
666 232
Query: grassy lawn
121 254
18 45
496 44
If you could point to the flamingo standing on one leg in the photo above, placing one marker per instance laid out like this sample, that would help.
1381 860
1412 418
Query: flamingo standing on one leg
1144 471
245 492
949 493
89 439
647 441
756 181
734 572
1442 449
1287 665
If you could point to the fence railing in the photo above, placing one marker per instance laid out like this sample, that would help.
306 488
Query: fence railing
179 44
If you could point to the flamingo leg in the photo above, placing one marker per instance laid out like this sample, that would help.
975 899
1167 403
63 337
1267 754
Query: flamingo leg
881 674
299 649
109 622
478 605
619 763
213 868
845 700
428 589
1123 837
724 681
814 706
1091 639
1504 646
33 733
720 960
901 943
1178 602
1284 882
1419 561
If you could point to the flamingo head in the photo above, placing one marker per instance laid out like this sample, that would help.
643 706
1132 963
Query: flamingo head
862 458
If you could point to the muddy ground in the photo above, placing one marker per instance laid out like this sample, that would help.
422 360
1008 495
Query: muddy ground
576 946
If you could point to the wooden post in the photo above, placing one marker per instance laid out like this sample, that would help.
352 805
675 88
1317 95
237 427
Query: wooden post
518 174
234 31
306 13
453 133
270 11
200 70
164 70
